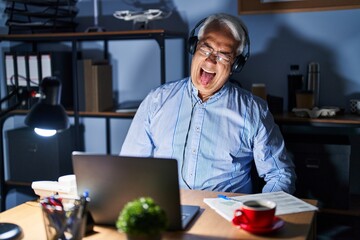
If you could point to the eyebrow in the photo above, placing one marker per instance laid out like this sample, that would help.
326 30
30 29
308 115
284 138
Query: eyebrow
208 45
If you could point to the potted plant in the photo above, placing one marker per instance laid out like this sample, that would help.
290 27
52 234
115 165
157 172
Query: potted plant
142 218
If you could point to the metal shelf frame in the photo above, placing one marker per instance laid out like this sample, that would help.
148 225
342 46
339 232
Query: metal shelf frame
160 36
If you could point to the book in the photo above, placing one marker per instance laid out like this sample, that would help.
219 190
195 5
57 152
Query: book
85 86
21 70
33 65
102 87
95 81
9 68
45 63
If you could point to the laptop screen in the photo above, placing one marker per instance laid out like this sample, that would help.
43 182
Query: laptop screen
113 180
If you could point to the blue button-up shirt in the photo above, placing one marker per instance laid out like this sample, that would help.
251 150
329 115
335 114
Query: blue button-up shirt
215 142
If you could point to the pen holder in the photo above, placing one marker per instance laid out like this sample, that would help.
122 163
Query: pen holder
64 223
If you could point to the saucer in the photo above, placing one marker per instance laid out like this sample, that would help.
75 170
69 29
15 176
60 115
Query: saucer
276 225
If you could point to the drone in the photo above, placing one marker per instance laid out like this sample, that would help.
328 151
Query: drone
141 16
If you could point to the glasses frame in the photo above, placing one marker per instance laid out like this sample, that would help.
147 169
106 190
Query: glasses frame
208 51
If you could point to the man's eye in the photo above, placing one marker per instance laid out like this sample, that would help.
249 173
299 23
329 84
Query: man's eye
223 58
206 51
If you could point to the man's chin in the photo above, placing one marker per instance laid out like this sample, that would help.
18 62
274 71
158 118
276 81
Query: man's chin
201 85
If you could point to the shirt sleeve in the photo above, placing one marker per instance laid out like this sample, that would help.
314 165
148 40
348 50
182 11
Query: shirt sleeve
272 161
138 141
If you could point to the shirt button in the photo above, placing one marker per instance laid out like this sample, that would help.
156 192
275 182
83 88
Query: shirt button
198 129
194 151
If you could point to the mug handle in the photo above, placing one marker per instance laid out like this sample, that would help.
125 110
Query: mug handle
239 218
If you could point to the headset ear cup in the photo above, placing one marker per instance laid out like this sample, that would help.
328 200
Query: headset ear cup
192 43
238 63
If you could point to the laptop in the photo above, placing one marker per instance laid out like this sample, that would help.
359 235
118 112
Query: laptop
113 180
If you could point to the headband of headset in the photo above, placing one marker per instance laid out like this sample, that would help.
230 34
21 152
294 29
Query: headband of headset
239 61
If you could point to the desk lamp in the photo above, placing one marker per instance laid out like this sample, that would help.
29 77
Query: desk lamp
48 116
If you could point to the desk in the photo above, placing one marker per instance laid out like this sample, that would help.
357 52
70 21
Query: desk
207 225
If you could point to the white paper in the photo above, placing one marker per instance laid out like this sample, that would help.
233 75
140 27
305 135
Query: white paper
285 204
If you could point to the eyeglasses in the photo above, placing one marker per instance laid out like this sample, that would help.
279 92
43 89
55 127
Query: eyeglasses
207 51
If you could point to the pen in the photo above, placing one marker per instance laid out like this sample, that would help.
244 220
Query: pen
228 198
84 199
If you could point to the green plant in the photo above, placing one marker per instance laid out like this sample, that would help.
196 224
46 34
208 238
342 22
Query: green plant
142 216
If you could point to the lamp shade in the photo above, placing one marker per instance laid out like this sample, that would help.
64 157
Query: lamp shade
48 113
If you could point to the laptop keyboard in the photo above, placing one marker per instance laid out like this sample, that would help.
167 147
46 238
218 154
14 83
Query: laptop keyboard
183 216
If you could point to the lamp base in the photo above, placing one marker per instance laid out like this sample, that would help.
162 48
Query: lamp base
10 231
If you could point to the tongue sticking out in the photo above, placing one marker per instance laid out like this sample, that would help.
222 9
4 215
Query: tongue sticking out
206 77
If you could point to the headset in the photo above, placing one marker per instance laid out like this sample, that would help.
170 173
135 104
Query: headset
239 61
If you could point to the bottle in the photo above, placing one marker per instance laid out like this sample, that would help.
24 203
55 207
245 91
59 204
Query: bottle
313 81
259 89
295 83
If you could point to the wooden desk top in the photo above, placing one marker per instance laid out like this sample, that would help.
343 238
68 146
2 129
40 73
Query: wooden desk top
207 225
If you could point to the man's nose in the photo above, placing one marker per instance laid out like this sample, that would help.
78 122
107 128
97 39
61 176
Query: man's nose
212 57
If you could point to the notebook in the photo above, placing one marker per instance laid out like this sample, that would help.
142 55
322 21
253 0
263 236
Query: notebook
112 181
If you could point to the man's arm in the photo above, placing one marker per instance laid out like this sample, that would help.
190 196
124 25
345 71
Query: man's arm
138 139
271 158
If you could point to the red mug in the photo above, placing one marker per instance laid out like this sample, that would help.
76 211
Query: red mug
255 213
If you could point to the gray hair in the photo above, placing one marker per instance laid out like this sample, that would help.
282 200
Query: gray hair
236 26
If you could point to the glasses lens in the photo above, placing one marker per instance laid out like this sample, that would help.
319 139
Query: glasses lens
223 58
205 50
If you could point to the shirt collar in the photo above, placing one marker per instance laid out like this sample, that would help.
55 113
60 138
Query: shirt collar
193 92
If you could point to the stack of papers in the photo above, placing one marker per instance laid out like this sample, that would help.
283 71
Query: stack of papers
65 187
285 203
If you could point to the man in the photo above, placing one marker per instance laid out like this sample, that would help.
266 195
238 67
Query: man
214 128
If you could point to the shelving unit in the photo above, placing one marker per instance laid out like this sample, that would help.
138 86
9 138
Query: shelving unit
35 16
160 36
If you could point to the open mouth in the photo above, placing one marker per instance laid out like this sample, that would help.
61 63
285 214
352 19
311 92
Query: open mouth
206 76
